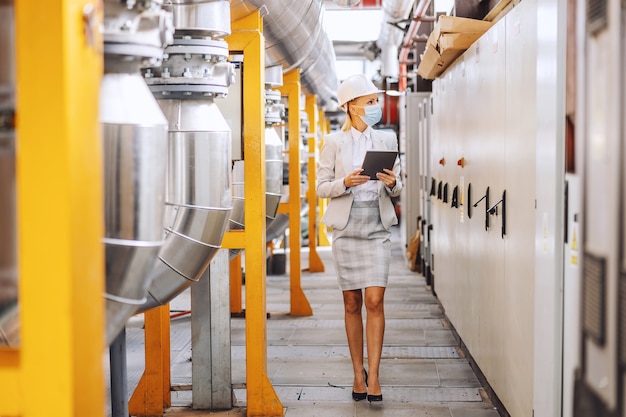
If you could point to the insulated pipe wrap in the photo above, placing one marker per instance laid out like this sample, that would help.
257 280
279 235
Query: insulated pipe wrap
295 38
135 157
198 198
390 36
134 137
196 17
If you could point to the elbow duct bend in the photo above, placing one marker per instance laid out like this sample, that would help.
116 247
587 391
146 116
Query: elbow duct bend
135 156
198 201
198 194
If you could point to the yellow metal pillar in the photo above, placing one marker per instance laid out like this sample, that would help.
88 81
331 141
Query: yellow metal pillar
315 263
152 395
291 88
247 38
57 370
322 235
235 285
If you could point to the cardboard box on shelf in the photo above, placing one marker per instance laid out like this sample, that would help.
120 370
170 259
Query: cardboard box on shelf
449 39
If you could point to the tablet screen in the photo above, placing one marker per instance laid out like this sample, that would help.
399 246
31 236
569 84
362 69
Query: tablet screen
376 160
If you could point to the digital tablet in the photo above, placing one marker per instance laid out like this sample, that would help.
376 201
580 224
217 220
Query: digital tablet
376 160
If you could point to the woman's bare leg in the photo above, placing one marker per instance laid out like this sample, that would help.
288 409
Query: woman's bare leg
353 302
375 331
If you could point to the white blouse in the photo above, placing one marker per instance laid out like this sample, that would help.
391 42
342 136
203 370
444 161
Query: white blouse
361 143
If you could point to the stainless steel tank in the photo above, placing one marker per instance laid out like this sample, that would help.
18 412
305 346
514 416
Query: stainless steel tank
295 38
198 199
135 155
9 318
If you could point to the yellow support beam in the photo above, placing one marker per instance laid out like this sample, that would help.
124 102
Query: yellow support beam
152 394
247 38
236 279
291 88
322 235
315 263
234 239
10 385
58 370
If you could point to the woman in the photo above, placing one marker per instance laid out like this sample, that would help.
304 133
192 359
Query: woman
360 212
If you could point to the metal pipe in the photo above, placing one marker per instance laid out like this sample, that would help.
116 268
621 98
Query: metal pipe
119 376
274 113
419 11
390 35
9 318
198 197
135 154
274 147
295 38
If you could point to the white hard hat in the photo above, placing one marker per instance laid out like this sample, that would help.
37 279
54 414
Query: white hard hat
355 86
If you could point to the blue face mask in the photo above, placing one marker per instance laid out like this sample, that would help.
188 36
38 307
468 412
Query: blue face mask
373 114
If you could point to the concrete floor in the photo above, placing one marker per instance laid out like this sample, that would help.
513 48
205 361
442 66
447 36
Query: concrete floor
423 372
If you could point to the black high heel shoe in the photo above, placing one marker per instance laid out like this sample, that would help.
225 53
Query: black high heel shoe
360 396
373 398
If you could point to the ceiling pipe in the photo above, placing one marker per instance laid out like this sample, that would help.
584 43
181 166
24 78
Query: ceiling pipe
295 38
418 13
390 37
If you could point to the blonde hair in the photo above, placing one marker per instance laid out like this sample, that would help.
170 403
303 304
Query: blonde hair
347 124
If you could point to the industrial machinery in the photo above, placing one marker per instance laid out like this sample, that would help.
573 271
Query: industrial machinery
415 198
274 113
198 199
601 379
135 154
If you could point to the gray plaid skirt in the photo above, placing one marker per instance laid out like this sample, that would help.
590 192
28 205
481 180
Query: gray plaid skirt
362 250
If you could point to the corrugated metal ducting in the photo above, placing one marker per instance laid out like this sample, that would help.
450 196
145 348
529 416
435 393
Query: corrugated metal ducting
295 38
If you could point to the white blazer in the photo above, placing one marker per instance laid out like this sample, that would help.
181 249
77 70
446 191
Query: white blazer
336 163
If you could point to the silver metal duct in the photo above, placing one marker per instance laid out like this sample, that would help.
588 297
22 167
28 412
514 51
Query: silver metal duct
295 38
390 36
274 146
236 220
274 113
9 319
198 199
135 154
